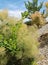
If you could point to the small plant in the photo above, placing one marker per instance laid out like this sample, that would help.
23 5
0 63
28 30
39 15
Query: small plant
38 19
3 56
20 44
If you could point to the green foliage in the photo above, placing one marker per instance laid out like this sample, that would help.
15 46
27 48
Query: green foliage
20 44
32 7
24 14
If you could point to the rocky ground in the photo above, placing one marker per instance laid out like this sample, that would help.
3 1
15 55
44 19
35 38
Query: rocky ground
43 39
44 53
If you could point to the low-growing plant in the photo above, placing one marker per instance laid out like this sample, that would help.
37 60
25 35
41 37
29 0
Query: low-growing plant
3 56
20 44
38 19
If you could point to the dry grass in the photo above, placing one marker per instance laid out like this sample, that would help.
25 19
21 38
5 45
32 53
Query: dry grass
37 19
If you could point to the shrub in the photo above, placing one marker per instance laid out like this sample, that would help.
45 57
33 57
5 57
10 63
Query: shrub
37 19
3 56
20 44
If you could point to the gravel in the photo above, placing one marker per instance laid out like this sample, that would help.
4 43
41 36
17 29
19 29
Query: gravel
44 52
44 49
